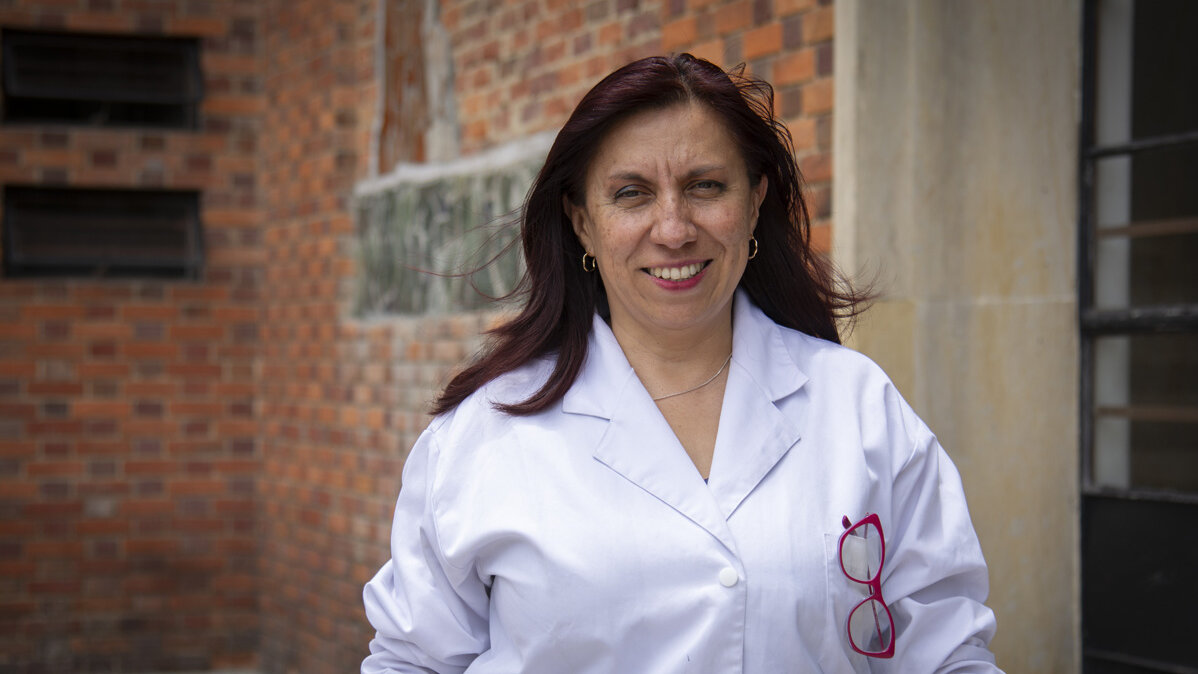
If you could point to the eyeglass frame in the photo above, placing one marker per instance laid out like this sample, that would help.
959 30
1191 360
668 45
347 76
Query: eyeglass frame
875 585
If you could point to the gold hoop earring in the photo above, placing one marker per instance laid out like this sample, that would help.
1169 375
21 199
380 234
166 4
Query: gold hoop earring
752 247
588 262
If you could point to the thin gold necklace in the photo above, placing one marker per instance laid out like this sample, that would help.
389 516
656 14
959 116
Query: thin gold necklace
696 388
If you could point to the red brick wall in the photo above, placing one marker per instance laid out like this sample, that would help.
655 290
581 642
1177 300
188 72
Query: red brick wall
128 427
328 418
342 400
521 65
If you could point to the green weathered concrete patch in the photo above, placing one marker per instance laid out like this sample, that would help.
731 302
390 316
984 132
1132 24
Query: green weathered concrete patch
425 233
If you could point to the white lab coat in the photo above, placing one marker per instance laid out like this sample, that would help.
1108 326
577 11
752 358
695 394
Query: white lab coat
583 540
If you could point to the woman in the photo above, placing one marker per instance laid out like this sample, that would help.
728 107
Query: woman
666 462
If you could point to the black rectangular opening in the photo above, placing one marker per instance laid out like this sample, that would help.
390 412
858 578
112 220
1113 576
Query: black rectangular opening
101 80
58 231
1137 585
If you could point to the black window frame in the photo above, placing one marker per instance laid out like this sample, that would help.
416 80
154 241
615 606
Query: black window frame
132 248
1094 322
101 90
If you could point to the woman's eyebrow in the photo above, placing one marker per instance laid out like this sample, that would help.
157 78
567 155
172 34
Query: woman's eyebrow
700 170
633 176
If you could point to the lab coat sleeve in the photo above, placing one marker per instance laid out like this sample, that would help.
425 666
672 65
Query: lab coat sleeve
429 615
935 579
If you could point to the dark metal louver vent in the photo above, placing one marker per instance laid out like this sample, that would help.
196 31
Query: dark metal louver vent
101 80
101 233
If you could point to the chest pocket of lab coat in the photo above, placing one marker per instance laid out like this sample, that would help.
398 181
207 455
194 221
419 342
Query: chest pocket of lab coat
843 594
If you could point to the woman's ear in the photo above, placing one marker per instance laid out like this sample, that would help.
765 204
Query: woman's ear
579 221
759 191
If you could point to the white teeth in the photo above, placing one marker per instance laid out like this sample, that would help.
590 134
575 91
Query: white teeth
676 273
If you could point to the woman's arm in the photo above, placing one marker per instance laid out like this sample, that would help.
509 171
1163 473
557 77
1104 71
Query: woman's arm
429 616
935 579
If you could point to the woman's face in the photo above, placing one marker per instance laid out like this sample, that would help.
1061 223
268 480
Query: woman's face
668 214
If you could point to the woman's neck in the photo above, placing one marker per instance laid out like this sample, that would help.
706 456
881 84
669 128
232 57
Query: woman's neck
668 362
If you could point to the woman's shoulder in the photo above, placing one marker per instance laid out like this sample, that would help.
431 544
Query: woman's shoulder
839 370
815 356
470 444
478 413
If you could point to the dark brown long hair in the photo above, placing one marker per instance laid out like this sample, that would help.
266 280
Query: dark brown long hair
792 284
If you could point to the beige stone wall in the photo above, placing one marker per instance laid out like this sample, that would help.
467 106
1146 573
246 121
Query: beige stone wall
955 150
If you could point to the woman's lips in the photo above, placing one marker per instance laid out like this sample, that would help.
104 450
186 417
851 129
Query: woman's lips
680 277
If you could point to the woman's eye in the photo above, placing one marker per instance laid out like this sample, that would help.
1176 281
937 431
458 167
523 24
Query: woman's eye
628 193
708 186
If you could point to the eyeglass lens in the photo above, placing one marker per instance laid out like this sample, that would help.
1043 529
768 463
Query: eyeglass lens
861 553
870 627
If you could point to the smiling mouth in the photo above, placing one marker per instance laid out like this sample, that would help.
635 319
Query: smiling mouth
677 273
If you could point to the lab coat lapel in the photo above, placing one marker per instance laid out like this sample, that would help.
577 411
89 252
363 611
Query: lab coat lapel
637 442
754 434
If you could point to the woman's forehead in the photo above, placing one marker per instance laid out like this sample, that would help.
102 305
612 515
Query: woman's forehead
685 138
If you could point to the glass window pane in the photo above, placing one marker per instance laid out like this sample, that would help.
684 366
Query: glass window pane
1113 72
1147 239
1165 70
1146 69
1146 416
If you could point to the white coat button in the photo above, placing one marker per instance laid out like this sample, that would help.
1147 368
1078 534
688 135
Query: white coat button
728 576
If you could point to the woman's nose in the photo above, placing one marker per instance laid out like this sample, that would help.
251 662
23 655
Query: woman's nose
673 227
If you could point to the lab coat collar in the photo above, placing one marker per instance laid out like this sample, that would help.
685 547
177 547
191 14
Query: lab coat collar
754 433
638 443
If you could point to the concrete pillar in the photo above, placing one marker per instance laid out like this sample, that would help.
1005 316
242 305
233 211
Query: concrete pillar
955 149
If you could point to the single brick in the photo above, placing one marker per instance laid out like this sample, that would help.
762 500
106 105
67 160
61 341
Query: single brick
763 41
678 33
785 7
819 24
818 97
794 67
733 17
